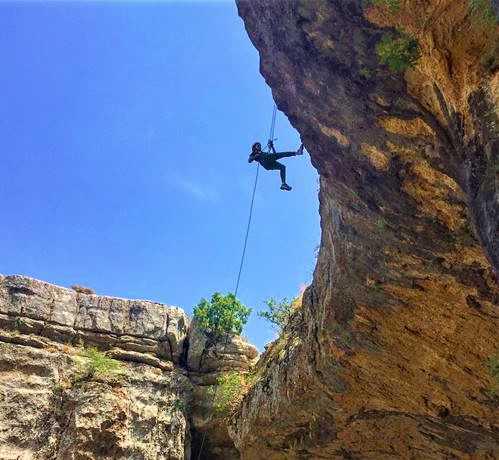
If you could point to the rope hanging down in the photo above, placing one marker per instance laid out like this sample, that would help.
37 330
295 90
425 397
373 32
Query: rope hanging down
248 226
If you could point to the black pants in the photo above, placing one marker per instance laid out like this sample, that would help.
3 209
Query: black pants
271 164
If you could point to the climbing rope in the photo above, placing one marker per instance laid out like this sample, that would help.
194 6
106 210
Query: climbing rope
247 230
272 125
248 226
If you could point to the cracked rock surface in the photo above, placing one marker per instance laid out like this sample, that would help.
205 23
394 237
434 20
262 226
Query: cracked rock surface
157 408
387 357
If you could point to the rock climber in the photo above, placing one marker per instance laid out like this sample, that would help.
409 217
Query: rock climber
269 160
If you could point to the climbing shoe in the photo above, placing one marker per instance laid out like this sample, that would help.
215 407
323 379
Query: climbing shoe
300 150
285 187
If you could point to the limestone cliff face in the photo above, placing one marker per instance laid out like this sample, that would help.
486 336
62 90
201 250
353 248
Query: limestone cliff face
158 409
206 360
387 356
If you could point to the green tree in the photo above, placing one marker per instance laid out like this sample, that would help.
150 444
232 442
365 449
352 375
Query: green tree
224 314
278 312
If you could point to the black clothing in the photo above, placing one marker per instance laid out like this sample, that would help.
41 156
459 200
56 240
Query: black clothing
270 163
269 160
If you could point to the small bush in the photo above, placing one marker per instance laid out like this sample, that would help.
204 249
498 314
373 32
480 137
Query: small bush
230 391
278 313
365 72
493 366
18 323
392 5
398 53
224 314
490 59
98 364
82 289
381 223
178 405
483 12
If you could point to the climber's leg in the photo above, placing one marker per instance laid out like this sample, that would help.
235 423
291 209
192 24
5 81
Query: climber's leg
282 171
284 155
276 166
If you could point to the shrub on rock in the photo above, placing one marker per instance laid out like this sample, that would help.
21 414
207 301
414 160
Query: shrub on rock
82 289
223 314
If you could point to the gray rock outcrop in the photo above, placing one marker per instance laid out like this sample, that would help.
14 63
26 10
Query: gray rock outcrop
158 407
206 361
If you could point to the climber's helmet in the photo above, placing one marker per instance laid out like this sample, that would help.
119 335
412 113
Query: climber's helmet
256 147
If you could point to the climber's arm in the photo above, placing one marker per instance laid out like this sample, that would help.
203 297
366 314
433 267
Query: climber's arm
271 146
253 157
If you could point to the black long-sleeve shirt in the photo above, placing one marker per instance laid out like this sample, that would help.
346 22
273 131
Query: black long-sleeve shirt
263 157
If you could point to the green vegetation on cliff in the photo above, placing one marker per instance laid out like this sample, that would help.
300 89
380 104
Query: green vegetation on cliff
278 312
232 386
392 5
398 53
97 364
483 11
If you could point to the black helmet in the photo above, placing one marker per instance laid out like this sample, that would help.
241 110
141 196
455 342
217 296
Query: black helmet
256 146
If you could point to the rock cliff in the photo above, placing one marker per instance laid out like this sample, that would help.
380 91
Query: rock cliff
157 408
387 358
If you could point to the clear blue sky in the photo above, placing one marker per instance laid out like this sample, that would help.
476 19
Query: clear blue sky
125 130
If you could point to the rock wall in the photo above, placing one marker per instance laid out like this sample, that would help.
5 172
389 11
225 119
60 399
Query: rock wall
44 415
387 358
159 407
206 361
146 330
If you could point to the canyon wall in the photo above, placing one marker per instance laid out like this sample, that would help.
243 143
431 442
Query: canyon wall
387 358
